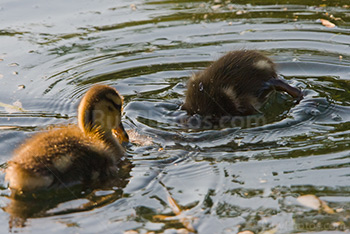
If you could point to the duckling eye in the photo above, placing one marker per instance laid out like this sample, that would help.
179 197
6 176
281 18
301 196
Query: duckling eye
116 106
110 108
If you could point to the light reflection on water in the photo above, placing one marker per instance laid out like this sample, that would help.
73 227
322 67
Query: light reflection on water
228 179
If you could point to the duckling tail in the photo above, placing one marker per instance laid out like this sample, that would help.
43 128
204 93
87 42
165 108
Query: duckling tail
22 179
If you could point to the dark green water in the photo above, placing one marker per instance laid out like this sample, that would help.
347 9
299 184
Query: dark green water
225 180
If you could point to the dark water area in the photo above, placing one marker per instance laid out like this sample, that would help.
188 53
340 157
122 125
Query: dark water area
225 180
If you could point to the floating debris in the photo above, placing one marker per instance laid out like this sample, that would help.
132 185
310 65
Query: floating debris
131 232
17 106
133 7
333 17
136 138
315 203
21 87
263 181
246 232
240 12
186 220
13 64
327 24
215 7
271 231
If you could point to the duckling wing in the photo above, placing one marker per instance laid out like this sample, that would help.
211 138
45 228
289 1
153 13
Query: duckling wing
60 156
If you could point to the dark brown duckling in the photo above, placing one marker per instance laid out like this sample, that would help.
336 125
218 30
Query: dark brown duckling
73 154
235 85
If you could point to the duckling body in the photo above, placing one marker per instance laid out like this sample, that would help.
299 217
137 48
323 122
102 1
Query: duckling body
72 154
236 84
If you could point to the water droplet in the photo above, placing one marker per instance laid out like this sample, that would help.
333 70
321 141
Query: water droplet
313 112
201 86
336 117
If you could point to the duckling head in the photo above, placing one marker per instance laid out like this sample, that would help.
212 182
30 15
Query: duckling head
100 110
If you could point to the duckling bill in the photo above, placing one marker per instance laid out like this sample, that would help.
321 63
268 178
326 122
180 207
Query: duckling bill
235 85
73 154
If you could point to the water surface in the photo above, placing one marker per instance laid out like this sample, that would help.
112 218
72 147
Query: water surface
225 180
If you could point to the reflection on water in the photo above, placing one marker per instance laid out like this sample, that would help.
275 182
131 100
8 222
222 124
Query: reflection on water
22 206
245 175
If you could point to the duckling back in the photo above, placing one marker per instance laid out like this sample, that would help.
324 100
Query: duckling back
60 157
236 84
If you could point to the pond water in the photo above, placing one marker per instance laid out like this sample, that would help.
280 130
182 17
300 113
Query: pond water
224 180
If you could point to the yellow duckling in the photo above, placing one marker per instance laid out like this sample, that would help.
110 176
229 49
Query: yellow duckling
236 84
73 154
